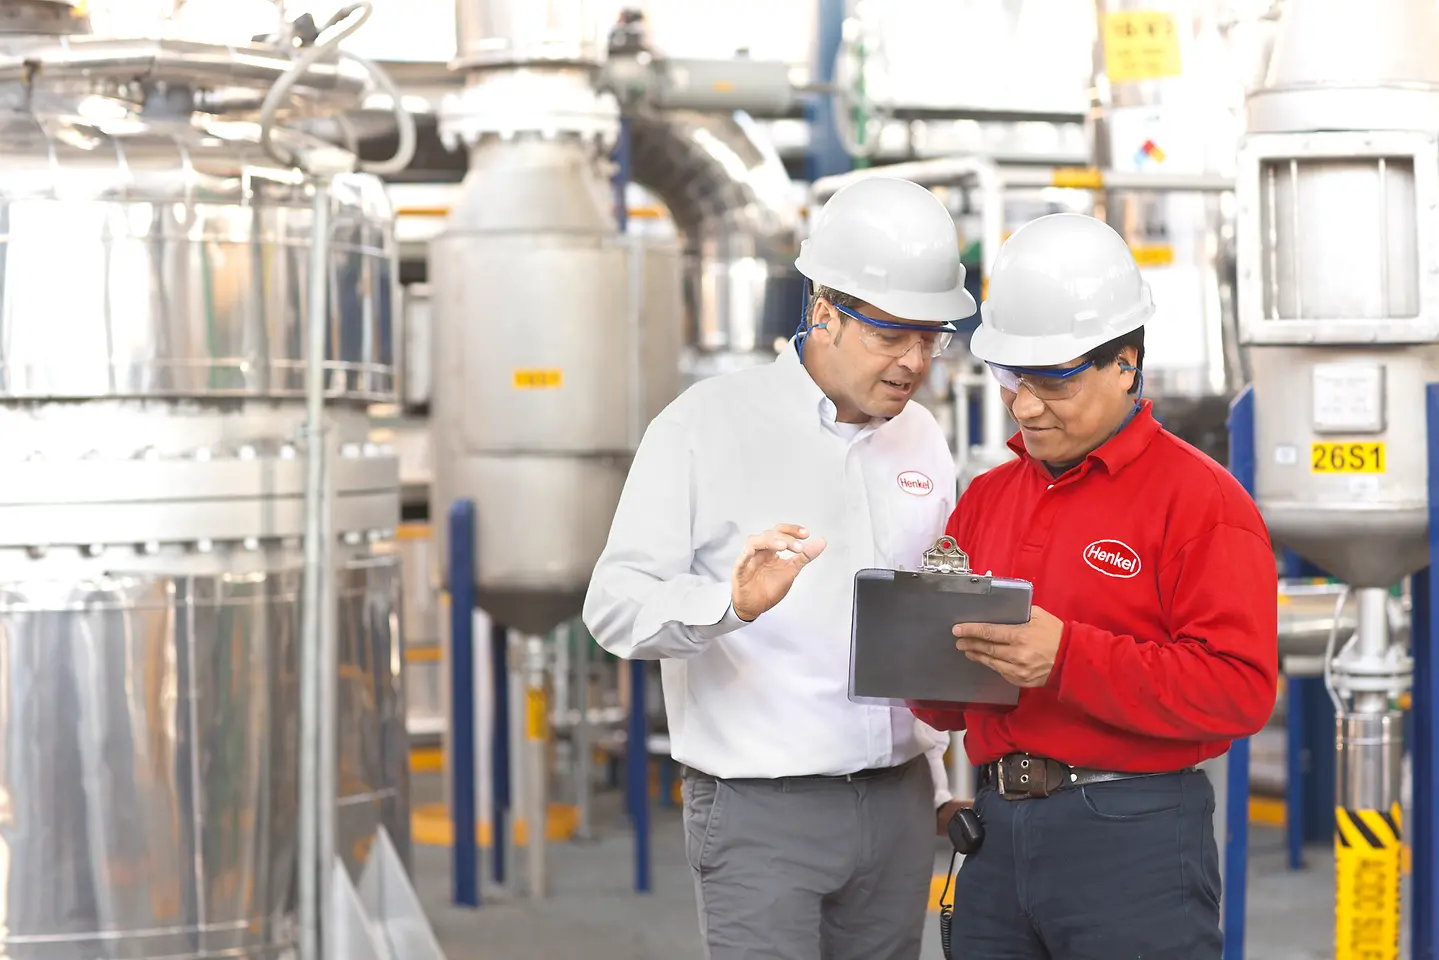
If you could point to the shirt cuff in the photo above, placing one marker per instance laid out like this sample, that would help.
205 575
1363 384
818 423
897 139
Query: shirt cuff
711 597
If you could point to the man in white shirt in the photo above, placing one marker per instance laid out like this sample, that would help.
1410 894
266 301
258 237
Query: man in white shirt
753 499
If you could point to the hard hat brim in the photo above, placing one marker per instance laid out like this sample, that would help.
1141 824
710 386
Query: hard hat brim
1007 350
938 307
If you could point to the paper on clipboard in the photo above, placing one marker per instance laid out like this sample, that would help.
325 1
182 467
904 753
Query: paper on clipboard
902 651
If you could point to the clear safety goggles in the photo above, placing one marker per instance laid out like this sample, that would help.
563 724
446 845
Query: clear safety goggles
892 338
1046 383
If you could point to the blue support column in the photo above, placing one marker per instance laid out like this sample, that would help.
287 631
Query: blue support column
637 799
827 155
637 763
1424 881
466 856
1236 843
500 795
1297 762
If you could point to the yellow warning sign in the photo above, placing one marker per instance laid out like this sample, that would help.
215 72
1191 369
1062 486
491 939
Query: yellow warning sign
535 725
1367 857
538 379
1140 45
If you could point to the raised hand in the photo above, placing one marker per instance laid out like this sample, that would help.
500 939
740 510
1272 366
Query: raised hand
767 567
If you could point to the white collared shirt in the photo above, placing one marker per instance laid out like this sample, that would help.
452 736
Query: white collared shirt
732 456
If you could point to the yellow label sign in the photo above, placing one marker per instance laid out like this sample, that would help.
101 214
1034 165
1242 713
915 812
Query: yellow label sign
1140 45
535 725
1367 853
538 379
1152 254
1347 458
1078 178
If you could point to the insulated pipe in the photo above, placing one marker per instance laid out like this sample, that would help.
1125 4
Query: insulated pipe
316 555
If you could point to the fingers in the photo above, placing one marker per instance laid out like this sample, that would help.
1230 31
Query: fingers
808 551
975 631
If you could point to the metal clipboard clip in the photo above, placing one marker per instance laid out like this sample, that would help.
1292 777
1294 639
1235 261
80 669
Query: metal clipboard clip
946 566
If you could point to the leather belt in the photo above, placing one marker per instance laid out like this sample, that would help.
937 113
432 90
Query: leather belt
1024 776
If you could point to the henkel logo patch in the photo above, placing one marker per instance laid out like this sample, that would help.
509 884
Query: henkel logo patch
912 481
1113 558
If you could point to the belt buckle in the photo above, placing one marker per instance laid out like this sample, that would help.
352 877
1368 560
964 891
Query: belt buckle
1033 778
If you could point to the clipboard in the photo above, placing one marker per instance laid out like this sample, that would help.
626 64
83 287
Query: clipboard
901 651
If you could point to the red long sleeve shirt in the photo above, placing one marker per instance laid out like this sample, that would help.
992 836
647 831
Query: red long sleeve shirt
1161 568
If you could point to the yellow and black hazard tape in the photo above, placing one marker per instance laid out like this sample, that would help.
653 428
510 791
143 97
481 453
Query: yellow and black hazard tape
1368 849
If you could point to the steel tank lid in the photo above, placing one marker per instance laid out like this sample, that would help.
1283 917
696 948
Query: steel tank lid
1333 70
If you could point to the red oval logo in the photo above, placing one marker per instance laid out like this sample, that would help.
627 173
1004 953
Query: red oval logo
916 483
1113 558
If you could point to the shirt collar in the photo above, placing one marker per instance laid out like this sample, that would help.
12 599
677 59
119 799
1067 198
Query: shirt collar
796 377
1118 451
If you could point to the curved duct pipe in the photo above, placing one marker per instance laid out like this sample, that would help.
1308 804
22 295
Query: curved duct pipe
732 201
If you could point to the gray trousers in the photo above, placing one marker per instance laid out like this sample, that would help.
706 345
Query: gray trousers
812 869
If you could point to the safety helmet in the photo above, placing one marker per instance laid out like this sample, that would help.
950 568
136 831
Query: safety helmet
1061 286
892 244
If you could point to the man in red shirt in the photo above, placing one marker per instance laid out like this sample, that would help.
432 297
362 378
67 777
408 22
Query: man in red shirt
1152 641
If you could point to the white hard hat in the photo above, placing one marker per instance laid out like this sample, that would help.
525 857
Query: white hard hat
891 244
1061 286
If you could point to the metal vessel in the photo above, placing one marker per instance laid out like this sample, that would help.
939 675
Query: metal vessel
1339 306
1165 100
556 339
153 273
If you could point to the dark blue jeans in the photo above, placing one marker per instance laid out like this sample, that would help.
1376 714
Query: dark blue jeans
1120 870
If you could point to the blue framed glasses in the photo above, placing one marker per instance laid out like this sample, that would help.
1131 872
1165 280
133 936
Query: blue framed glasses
893 338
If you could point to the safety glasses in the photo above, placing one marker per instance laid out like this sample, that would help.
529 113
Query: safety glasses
892 338
1045 384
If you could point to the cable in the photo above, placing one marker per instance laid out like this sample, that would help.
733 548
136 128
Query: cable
403 119
946 913
1329 651
289 78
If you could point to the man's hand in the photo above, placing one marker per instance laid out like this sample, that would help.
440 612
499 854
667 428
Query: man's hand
762 576
944 815
1023 654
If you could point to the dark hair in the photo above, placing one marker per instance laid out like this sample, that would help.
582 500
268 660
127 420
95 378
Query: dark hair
836 297
1107 353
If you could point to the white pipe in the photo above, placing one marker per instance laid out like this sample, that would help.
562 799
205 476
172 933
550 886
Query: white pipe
311 655
928 173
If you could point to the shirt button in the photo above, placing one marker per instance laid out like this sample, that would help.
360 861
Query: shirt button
1050 487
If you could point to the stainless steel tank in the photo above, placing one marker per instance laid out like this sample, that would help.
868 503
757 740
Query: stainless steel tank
556 340
1339 286
153 273
1166 99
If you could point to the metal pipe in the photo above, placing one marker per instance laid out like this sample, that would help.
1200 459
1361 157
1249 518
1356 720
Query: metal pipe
182 63
316 549
583 773
537 767
945 171
465 852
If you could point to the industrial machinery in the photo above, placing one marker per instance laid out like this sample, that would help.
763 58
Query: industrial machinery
1338 291
1166 99
556 339
163 499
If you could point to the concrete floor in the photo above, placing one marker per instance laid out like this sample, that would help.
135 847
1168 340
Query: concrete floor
593 913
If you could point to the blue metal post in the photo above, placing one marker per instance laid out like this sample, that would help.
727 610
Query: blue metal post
1424 881
462 703
637 761
637 744
827 155
500 747
1236 843
1297 778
